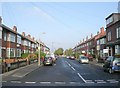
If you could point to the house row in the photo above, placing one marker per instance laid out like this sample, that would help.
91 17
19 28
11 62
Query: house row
104 43
13 44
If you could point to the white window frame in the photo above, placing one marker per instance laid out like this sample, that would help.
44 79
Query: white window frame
109 36
18 52
19 39
0 51
118 32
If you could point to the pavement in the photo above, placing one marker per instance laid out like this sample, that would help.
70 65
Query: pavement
20 72
95 62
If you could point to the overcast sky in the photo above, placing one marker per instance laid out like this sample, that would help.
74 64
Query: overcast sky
64 24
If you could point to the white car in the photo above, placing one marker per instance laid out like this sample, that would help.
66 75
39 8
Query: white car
83 59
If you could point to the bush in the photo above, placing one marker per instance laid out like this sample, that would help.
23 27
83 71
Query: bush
24 55
117 55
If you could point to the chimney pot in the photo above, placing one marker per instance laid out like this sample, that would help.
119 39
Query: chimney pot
29 36
102 30
91 35
87 38
14 28
23 33
0 20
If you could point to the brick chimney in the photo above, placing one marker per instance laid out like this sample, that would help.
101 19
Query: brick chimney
102 30
0 20
91 35
83 40
23 33
33 38
97 32
14 28
87 38
29 36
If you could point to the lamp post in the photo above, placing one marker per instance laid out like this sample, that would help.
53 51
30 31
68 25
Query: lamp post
39 49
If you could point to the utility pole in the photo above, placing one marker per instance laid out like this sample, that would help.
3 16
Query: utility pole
39 53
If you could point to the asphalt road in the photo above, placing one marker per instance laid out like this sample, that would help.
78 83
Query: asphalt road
67 73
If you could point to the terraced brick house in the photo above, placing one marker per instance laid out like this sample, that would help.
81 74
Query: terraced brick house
113 34
15 44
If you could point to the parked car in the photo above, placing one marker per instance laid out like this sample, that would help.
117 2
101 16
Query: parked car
112 64
48 61
72 58
53 57
67 57
83 59
90 57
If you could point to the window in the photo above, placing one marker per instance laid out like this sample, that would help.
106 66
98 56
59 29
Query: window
109 20
18 52
29 44
98 42
0 34
0 51
109 36
18 39
25 51
102 41
33 45
117 49
10 52
25 43
11 37
118 32
5 36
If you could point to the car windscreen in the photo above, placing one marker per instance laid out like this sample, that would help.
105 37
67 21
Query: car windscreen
117 59
84 57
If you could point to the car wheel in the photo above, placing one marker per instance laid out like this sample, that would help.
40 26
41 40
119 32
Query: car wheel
111 71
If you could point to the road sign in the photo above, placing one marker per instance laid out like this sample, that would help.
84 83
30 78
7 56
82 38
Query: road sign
105 50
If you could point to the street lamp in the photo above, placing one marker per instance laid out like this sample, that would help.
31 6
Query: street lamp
39 42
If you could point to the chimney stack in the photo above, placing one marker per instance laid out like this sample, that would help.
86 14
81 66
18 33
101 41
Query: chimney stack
23 33
97 32
33 38
0 20
29 36
83 40
14 28
102 30
91 35
87 38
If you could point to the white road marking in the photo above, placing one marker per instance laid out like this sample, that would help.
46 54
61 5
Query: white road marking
90 82
73 68
45 82
69 64
74 82
111 80
16 82
114 81
59 82
81 77
4 81
101 82
30 82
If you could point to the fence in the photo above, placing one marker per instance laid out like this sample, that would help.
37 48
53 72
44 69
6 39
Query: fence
15 65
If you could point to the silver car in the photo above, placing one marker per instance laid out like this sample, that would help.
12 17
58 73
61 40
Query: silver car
83 59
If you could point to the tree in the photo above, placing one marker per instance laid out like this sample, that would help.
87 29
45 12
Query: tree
59 51
68 52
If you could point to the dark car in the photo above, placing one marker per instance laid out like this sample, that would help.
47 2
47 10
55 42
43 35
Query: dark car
112 64
48 61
